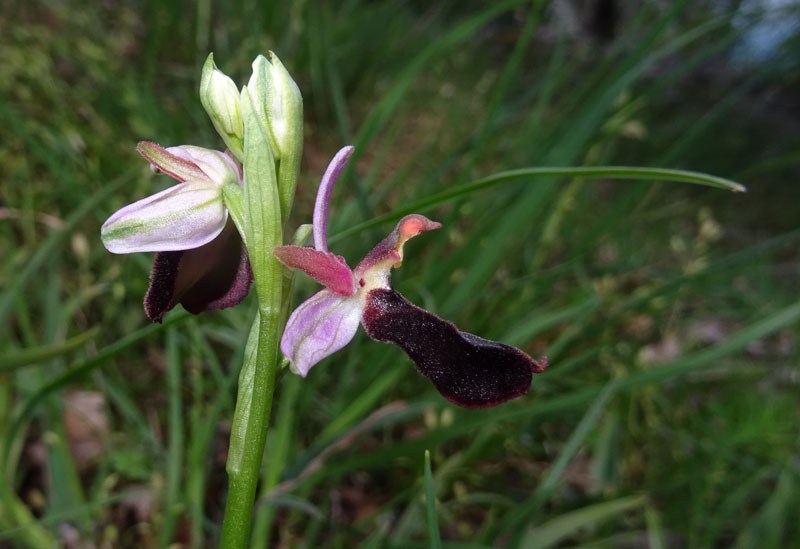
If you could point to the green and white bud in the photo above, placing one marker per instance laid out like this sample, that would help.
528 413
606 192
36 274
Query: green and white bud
220 98
277 98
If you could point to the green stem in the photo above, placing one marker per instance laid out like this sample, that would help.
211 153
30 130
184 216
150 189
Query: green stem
276 455
251 419
260 223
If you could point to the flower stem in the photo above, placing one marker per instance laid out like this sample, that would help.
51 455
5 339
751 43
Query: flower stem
261 225
276 456
251 420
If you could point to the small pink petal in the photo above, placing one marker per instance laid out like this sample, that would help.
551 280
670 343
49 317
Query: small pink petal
218 167
180 166
320 326
326 268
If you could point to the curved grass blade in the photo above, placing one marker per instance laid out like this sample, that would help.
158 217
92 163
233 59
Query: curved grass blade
552 532
514 176
769 526
73 374
391 100
28 357
26 528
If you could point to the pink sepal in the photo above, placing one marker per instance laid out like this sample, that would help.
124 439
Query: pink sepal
328 269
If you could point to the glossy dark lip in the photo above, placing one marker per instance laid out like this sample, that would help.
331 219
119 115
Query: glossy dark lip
467 370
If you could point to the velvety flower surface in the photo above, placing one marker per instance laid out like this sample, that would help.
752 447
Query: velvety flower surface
200 260
467 370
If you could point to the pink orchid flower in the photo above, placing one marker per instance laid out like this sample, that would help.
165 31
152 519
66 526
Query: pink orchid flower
200 262
467 370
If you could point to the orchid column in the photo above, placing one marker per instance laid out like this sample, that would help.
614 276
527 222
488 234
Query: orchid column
271 115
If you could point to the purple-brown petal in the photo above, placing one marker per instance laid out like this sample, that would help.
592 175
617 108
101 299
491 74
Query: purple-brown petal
216 275
159 297
328 269
466 369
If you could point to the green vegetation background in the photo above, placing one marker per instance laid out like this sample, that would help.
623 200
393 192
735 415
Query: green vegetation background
669 415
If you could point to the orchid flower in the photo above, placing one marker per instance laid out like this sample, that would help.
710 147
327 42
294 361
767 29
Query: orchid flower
467 370
200 262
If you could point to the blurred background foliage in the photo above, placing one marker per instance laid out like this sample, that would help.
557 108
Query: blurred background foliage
669 414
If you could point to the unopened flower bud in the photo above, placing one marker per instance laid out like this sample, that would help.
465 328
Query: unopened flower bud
277 98
220 98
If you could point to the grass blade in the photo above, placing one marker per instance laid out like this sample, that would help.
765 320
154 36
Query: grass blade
46 250
175 450
78 372
554 475
552 532
430 505
28 357
525 174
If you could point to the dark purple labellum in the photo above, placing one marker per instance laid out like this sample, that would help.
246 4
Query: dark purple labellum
214 276
468 370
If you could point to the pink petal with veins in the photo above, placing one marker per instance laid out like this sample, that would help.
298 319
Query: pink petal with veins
326 268
182 217
320 326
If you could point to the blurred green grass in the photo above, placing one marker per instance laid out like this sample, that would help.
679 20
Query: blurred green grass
669 312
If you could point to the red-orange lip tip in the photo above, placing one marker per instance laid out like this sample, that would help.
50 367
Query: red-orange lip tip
414 224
